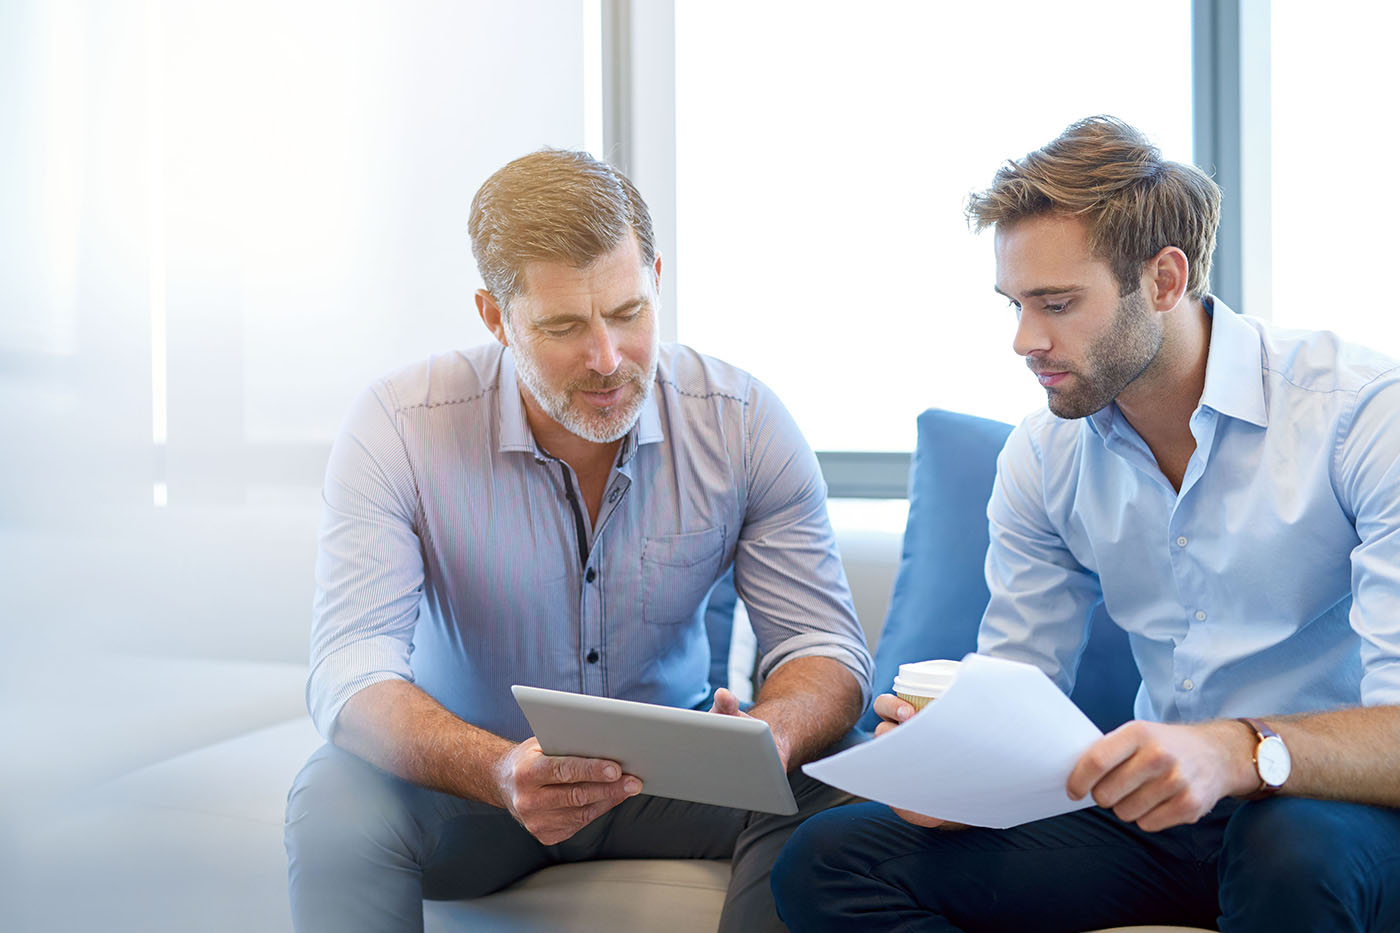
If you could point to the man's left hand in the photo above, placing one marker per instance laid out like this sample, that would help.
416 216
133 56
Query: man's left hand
1158 775
727 704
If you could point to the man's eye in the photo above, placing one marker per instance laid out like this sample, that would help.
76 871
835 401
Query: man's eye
559 332
1057 308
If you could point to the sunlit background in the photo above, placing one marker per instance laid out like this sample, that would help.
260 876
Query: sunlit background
219 221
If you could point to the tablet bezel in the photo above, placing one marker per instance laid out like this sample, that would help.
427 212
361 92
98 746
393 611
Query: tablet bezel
683 754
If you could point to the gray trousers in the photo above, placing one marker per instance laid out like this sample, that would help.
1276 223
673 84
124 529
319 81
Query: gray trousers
364 848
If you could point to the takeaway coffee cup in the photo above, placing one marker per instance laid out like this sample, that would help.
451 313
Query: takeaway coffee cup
922 682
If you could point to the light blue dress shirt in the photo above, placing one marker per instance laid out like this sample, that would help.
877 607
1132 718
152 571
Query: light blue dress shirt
452 556
1270 584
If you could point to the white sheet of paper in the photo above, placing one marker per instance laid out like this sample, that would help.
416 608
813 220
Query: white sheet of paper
995 750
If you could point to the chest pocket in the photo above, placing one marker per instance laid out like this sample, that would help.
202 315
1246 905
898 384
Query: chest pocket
677 572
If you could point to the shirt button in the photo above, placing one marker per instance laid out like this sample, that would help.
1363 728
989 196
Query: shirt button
1188 684
1200 615
591 575
1181 541
593 656
612 496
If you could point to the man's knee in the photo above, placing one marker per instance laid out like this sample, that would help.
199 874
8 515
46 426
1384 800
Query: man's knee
342 811
1298 861
821 861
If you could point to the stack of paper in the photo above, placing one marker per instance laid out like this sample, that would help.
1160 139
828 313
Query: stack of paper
995 750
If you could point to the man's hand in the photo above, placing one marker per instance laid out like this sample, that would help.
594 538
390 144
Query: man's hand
1159 775
554 797
727 704
893 711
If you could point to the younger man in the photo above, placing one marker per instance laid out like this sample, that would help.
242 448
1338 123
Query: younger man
1231 491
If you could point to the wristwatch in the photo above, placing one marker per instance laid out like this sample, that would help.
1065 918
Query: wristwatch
1271 759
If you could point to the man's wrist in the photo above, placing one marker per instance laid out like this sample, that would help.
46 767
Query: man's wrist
1237 743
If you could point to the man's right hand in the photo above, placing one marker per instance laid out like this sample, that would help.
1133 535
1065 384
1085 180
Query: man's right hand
554 797
893 711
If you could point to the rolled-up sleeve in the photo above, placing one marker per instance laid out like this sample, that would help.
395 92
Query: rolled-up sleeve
787 567
369 563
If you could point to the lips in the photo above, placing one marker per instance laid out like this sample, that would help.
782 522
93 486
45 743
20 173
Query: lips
1048 379
605 398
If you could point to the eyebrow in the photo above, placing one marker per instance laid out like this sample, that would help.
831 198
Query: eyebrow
554 320
1043 291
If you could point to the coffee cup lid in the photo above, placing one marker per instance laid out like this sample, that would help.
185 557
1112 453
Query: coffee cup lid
919 677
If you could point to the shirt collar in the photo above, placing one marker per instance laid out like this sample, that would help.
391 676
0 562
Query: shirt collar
1234 372
515 430
1235 367
647 430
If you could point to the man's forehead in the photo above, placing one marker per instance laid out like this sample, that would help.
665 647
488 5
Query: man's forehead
618 264
1044 255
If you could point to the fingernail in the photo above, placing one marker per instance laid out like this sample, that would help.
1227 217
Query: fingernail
632 786
610 773
904 712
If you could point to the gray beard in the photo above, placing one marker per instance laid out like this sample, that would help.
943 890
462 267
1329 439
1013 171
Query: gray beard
600 429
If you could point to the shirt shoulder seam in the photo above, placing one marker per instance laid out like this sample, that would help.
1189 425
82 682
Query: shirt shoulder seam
703 395
399 409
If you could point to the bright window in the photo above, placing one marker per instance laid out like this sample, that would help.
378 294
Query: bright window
1334 142
824 153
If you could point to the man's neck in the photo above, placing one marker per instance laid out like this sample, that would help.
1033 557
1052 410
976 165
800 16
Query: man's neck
1160 403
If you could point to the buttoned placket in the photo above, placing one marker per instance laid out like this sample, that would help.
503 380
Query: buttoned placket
1187 570
591 549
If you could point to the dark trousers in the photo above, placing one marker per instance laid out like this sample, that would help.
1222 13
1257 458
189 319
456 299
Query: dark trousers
1272 865
365 848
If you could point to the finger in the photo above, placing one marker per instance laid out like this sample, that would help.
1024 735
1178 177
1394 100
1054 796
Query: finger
725 703
884 727
580 795
552 827
1177 809
591 812
1150 773
1102 757
892 709
567 769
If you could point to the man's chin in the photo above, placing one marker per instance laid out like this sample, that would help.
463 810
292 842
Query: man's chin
604 425
1073 409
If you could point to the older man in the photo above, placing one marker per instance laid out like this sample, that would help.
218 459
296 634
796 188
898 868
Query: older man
554 509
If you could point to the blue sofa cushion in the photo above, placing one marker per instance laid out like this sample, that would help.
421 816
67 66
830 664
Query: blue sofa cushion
940 591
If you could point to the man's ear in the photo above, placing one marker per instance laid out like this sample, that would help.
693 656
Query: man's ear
492 315
656 269
1165 277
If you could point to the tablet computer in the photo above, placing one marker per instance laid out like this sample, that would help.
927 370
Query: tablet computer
684 754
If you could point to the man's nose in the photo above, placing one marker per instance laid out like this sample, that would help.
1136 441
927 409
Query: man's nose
603 357
1030 336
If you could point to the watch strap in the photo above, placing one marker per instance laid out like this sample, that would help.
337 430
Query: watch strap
1261 731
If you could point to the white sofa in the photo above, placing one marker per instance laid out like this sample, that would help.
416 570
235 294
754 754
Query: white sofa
153 734
153 730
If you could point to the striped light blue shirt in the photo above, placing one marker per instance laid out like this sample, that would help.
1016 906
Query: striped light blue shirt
450 554
1269 585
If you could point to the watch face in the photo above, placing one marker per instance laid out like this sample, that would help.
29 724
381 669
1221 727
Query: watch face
1274 761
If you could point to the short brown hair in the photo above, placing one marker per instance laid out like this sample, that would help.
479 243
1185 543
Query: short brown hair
553 205
1136 203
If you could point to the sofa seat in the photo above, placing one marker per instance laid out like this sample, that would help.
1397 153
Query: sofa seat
621 894
194 842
